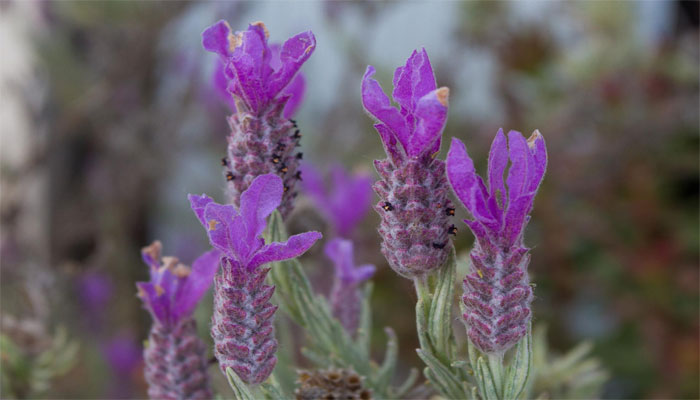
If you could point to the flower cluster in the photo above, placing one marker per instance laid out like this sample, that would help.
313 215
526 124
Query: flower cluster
242 321
497 293
261 79
413 203
176 359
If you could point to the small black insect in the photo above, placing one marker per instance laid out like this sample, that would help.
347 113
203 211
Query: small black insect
283 168
439 245
224 162
450 211
275 159
452 230
296 134
300 155
298 175
293 121
286 188
229 176
387 206
280 146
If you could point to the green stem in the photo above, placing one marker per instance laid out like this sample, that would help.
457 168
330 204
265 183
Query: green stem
495 362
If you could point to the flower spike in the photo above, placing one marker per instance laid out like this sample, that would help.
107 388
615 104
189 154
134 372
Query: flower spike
242 322
413 202
497 293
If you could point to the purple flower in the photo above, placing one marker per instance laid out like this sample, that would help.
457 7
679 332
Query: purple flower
266 89
497 292
124 355
174 289
176 359
344 201
242 322
257 73
413 204
345 295
418 125
294 91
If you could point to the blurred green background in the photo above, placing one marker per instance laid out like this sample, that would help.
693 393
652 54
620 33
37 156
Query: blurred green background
109 119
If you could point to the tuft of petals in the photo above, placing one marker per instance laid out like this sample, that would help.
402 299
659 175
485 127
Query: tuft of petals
295 246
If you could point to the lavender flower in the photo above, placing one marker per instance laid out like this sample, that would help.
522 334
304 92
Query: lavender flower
242 321
345 201
262 139
497 293
413 190
345 294
176 359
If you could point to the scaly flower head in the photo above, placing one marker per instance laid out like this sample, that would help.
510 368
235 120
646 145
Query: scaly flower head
255 72
345 296
242 322
497 293
413 193
344 201
174 289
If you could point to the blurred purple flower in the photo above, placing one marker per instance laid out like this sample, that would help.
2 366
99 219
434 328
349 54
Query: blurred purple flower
344 201
255 72
345 296
242 322
174 289
176 359
497 293
95 290
123 353
413 192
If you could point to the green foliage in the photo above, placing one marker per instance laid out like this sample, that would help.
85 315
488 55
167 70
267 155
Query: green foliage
329 344
27 375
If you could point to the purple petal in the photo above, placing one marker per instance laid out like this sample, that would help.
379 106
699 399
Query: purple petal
364 272
464 181
498 160
351 197
515 218
196 283
157 305
250 63
431 114
295 90
198 204
223 232
295 51
413 81
260 199
538 160
218 39
220 82
378 104
340 251
294 247
389 142
517 175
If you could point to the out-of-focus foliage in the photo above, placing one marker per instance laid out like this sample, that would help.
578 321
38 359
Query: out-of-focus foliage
108 121
28 373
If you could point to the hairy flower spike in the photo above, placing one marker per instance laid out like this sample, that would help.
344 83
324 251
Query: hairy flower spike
266 90
497 293
176 359
412 182
242 322
344 201
345 295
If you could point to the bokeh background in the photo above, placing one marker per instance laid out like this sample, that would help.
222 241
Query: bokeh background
108 119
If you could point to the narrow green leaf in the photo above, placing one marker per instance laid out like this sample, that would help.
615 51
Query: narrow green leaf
272 389
486 380
518 371
440 314
386 371
364 330
241 391
451 384
407 384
